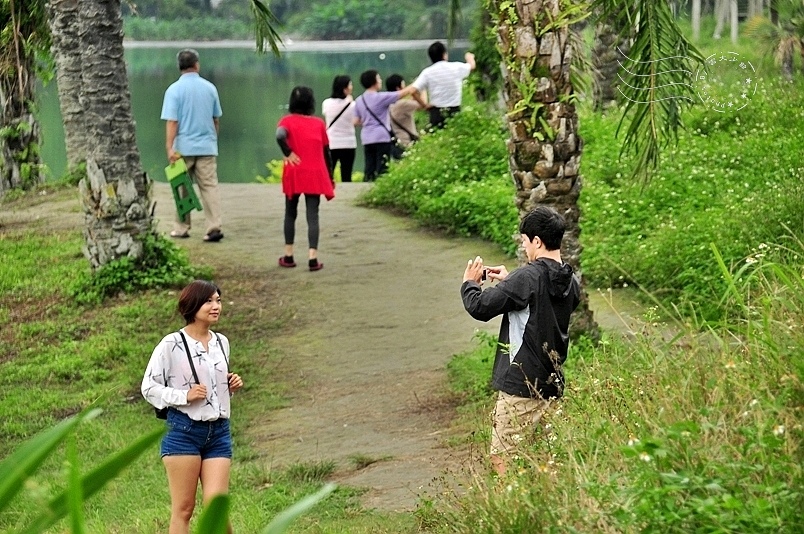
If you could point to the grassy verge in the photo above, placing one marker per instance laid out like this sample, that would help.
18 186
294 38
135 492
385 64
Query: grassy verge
60 357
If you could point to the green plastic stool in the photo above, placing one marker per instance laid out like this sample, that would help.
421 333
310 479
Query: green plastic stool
182 186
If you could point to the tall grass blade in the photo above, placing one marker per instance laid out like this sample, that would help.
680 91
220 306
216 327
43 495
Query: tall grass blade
215 519
15 469
281 522
74 494
94 481
730 281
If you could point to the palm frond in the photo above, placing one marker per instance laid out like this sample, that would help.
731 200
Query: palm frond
265 27
764 33
655 79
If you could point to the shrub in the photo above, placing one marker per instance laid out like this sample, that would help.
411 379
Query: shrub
191 29
723 184
162 265
455 179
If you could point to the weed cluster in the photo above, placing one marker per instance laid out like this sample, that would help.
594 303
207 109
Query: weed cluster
162 265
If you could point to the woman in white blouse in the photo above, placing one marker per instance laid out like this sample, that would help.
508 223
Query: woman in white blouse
188 374
339 113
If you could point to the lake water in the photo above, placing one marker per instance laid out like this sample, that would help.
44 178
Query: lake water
254 91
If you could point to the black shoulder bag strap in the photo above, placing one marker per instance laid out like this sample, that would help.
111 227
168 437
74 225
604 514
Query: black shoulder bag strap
225 357
162 413
338 116
413 137
189 358
393 137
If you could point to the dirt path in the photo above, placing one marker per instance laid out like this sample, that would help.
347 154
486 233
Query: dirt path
369 343
378 325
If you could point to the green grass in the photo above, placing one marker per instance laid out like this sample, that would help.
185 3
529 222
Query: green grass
700 433
61 357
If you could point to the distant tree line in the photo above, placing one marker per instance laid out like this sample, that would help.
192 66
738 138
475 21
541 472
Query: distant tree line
314 19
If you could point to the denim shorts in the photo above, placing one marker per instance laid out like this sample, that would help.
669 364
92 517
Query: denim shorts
185 437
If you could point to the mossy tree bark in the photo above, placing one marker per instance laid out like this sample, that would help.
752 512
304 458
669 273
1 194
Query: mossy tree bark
544 147
20 136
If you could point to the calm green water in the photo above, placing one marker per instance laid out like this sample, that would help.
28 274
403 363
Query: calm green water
254 91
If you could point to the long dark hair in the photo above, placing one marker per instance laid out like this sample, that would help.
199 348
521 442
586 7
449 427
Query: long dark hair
302 101
194 296
339 85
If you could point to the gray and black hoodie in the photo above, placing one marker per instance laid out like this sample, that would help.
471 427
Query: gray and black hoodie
536 300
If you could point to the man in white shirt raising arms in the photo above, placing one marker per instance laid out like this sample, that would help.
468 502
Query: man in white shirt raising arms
443 82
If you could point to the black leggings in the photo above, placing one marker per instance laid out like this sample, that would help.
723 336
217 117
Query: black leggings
291 210
347 158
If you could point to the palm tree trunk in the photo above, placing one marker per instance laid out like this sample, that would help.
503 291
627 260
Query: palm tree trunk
64 21
734 21
116 192
696 20
20 136
721 14
607 54
544 147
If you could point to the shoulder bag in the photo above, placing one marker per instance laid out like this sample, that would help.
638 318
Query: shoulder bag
396 148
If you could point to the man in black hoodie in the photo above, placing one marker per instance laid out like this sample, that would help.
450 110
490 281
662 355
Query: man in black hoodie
536 301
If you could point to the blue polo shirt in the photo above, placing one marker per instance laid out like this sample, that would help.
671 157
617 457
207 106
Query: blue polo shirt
193 102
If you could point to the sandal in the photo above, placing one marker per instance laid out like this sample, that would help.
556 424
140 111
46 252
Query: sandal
315 265
214 236
176 235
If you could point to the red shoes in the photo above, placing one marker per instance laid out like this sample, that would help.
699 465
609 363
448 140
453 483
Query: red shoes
287 261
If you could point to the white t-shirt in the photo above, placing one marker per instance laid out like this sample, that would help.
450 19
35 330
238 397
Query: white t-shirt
342 132
443 82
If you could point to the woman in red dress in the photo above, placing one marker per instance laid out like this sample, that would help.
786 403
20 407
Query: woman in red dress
307 171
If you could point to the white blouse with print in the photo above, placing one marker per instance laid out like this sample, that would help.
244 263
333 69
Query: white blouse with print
169 377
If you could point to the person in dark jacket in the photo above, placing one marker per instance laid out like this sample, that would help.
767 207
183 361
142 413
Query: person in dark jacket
536 301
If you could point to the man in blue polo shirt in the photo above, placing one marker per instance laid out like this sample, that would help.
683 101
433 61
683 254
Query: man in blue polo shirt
191 109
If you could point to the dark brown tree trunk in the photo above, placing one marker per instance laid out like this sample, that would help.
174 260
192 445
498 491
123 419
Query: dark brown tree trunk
608 52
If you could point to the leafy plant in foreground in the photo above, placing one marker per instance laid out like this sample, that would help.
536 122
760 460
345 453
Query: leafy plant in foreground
23 462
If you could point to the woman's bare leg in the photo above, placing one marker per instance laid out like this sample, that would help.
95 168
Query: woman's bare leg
183 473
215 479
